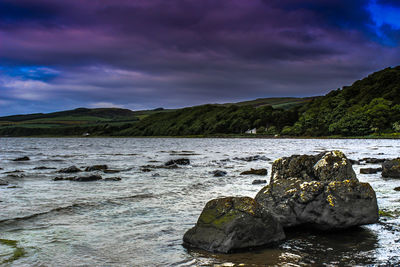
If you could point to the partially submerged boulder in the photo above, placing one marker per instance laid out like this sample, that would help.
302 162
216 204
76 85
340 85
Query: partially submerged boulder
3 182
391 168
321 191
231 223
257 181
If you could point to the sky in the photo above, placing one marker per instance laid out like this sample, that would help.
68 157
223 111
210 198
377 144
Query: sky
144 54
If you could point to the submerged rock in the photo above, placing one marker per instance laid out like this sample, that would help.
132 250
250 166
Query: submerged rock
113 179
22 159
370 170
79 179
219 173
373 160
96 168
3 182
177 162
71 169
111 171
391 168
320 191
231 223
253 158
255 172
259 181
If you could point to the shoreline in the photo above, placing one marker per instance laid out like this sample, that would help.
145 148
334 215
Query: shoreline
389 137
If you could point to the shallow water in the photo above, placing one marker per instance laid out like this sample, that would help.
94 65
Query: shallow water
140 220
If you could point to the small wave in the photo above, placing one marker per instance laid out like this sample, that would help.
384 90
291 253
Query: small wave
72 207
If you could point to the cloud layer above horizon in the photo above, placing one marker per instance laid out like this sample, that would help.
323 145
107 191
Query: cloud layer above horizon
144 54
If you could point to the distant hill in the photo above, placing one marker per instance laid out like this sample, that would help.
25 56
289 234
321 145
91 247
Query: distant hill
370 106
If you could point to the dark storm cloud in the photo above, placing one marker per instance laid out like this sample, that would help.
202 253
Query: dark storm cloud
144 54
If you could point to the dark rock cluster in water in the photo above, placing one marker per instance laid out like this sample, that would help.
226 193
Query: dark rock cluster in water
318 191
22 159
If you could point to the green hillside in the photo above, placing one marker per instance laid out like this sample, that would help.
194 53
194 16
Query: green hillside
370 106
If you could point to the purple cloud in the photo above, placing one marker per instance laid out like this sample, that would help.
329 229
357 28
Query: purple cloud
145 54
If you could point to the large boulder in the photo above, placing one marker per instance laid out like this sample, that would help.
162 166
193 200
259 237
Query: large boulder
321 191
232 223
391 168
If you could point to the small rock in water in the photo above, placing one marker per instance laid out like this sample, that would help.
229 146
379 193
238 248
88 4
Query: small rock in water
255 172
397 188
370 170
219 173
43 168
16 175
22 159
146 170
230 223
177 162
71 169
96 168
259 182
79 179
88 178
3 182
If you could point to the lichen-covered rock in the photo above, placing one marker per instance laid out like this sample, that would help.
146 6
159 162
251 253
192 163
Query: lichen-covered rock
334 166
391 168
324 195
231 223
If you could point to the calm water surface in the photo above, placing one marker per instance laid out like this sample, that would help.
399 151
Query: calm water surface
140 220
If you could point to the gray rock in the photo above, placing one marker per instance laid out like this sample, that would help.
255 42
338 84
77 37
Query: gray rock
319 191
3 182
71 169
253 158
232 223
391 168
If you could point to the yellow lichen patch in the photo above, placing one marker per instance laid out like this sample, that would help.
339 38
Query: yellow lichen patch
331 200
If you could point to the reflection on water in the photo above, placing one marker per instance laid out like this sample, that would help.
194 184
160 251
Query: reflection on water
304 247
140 220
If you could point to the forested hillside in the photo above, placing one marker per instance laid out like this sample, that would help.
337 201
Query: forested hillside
369 106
